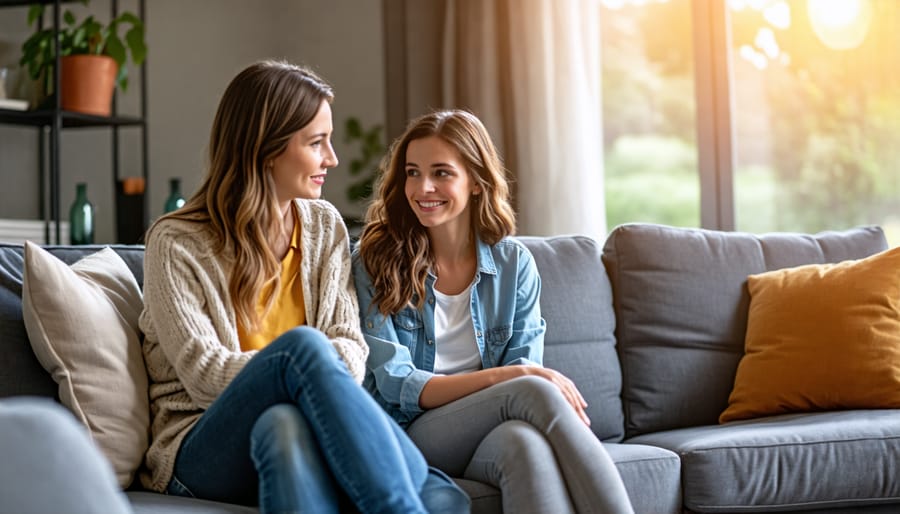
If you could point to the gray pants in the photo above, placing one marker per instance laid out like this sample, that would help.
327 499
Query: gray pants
524 438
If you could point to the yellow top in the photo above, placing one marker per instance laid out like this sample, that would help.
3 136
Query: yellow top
288 309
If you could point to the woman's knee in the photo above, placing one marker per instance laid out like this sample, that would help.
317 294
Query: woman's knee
514 452
305 343
533 391
282 418
280 429
515 442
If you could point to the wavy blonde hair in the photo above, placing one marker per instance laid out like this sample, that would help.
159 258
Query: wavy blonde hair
262 107
394 246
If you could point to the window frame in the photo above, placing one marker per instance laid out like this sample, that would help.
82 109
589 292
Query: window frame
714 94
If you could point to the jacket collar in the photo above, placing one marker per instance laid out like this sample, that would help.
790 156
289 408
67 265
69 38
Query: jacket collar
485 257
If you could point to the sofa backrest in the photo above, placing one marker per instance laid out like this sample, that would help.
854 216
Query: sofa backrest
20 371
681 305
576 302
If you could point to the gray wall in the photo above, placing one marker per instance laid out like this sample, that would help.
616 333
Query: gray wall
195 48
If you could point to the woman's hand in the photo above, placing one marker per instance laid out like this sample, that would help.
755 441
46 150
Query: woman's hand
568 388
441 389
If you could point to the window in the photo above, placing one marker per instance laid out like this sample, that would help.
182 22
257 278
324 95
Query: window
808 128
650 143
817 111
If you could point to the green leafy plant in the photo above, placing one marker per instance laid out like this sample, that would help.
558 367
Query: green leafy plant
89 37
371 149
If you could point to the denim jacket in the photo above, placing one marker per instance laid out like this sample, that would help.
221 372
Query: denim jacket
505 311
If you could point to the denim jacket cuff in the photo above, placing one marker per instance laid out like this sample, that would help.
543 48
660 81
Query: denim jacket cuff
412 389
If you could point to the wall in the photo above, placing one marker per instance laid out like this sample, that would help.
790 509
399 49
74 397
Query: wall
195 48
18 175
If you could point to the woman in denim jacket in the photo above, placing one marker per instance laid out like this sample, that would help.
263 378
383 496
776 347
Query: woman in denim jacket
450 310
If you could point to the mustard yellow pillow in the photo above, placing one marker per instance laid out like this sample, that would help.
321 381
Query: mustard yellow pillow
821 337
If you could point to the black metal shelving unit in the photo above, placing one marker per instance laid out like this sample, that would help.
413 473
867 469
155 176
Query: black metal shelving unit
52 121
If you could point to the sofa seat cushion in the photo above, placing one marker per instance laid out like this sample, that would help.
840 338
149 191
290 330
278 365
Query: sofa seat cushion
839 459
146 502
485 499
652 476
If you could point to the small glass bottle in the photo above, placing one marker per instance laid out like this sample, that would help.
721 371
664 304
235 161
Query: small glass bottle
81 218
175 201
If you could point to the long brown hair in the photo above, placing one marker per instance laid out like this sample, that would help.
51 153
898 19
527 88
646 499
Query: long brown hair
262 107
394 246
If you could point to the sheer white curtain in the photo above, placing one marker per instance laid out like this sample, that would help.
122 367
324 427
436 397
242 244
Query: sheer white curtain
531 70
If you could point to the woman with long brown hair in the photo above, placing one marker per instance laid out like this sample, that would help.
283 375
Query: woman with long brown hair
252 339
450 310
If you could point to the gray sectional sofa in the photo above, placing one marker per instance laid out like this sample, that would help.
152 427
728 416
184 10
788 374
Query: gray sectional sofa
651 328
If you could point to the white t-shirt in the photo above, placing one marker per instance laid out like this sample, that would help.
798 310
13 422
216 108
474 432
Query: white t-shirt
454 334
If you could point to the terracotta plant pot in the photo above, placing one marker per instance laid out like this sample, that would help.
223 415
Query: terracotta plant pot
88 82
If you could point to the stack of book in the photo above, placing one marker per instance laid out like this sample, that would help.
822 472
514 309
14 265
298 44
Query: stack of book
13 104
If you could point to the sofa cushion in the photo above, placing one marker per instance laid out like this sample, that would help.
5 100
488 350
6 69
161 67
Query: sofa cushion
790 462
652 476
485 499
145 502
577 302
21 373
82 323
50 464
821 337
681 310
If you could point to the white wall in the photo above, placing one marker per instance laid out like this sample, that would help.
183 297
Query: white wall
195 48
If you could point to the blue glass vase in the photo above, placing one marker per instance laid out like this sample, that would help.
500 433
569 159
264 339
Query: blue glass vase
175 201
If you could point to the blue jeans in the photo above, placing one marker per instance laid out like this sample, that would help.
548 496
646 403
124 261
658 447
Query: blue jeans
295 433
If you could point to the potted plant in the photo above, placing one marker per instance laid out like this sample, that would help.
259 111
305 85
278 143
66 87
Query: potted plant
371 150
92 57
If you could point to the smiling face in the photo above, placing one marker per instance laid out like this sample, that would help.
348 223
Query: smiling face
299 171
438 184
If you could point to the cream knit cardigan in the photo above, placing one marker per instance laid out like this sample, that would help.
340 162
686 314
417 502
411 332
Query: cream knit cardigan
191 345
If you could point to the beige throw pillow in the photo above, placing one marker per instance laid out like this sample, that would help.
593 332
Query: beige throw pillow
83 325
